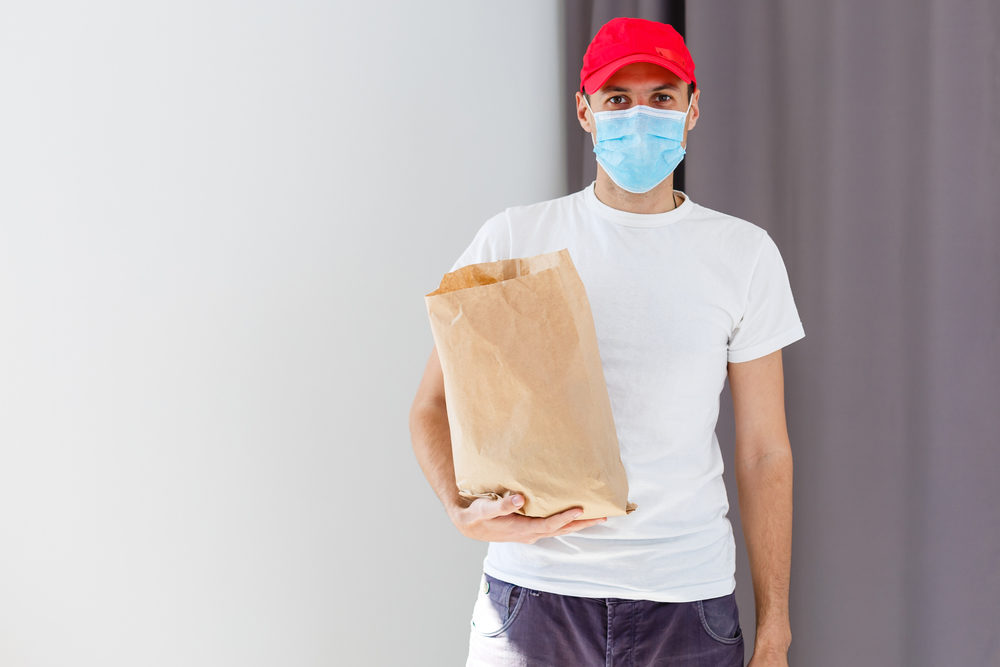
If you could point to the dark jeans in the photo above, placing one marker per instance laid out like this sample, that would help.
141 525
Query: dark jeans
512 625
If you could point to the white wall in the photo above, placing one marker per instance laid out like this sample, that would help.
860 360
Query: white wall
217 224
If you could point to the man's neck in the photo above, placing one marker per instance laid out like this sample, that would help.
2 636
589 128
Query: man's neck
658 200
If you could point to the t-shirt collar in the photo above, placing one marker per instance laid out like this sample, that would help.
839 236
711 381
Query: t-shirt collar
630 219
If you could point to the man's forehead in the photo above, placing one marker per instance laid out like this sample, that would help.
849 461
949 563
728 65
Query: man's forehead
642 76
628 89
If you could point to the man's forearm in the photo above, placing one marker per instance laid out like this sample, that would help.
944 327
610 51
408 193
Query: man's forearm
431 439
765 496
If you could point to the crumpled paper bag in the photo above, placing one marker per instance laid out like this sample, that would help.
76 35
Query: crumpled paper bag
527 402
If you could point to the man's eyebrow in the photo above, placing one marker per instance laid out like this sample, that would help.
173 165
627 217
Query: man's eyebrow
665 86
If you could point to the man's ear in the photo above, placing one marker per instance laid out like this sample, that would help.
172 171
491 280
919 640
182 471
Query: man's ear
581 113
695 111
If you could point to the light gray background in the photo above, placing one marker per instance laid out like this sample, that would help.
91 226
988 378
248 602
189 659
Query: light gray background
217 222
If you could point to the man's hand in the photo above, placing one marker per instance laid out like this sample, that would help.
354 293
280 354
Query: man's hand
495 521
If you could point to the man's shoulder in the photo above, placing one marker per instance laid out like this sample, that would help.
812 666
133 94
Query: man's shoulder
540 209
520 219
733 227
722 218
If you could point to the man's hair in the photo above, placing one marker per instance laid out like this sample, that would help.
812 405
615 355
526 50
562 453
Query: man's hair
690 92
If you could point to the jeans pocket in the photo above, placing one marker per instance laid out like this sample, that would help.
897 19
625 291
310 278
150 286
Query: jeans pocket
497 606
720 618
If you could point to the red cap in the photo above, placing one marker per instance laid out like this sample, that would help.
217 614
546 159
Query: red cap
625 40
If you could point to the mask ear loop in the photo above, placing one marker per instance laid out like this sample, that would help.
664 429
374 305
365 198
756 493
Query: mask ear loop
684 148
592 140
690 102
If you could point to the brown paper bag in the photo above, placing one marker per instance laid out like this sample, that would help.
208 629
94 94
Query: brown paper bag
527 402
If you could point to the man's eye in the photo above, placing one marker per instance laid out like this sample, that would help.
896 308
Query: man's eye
665 97
616 97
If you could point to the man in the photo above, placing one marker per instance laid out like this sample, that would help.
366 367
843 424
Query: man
682 296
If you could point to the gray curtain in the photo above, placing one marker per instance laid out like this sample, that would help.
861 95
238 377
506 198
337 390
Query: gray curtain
581 20
865 137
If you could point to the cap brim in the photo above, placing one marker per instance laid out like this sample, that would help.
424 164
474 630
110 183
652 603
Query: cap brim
600 76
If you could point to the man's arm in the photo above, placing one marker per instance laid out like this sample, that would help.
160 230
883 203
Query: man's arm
763 458
431 437
482 519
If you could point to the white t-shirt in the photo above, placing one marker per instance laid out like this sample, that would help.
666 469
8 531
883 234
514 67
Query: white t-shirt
675 296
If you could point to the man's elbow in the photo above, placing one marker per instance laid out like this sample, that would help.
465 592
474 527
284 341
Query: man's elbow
424 404
426 408
781 454
430 392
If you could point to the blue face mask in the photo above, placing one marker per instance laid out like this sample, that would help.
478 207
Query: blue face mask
640 146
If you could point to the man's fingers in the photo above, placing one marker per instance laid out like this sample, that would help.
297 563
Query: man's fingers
507 505
573 526
557 524
557 521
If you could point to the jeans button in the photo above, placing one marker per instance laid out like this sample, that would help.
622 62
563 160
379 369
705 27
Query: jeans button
486 586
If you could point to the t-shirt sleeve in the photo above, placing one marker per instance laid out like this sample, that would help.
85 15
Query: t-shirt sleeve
490 244
770 320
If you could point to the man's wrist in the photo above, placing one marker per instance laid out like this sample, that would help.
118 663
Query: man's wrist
773 638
